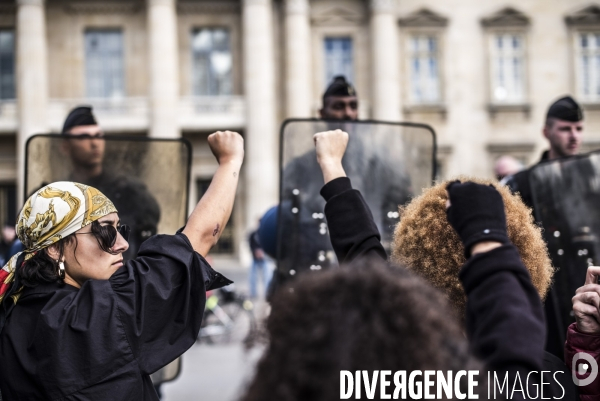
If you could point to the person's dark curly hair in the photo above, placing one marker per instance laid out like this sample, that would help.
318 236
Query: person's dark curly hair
364 317
427 244
41 268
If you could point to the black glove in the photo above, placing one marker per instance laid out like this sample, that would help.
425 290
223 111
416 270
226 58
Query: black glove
476 213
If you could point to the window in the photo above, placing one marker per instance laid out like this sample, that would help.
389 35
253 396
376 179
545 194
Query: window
104 72
211 62
507 68
7 64
424 70
588 66
226 244
338 59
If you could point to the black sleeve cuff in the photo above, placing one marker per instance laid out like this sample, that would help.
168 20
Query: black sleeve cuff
335 187
481 266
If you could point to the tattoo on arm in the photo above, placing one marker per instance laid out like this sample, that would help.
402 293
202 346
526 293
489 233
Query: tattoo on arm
235 174
216 230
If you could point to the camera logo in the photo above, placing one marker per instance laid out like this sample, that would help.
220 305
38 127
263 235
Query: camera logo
590 366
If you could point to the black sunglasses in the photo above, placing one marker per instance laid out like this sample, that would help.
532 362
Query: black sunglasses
107 235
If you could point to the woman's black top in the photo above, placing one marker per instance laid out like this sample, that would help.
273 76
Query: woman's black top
102 341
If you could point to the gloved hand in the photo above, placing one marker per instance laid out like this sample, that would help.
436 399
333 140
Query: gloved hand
476 212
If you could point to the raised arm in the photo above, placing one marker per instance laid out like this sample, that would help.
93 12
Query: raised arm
352 230
206 223
504 316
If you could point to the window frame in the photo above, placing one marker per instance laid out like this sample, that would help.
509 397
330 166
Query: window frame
438 34
576 65
192 79
491 36
123 61
14 64
327 80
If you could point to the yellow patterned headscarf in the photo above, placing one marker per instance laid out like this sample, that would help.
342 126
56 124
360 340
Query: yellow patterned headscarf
51 214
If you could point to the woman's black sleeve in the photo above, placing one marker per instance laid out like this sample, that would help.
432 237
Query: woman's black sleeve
504 316
161 296
352 230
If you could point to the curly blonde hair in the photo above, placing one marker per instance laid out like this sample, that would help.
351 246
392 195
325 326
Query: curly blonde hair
425 242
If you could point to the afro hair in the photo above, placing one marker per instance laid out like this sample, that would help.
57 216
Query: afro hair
426 243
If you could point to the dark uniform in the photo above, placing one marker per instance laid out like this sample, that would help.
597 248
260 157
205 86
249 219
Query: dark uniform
137 207
306 245
553 216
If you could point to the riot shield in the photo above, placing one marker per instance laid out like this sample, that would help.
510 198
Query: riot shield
147 180
566 195
388 163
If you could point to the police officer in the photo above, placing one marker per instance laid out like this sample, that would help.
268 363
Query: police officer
307 245
339 101
563 129
85 145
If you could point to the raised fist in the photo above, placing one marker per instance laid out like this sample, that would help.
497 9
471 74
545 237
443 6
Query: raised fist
227 146
330 146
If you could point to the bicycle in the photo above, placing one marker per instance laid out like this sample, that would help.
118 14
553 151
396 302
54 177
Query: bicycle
228 318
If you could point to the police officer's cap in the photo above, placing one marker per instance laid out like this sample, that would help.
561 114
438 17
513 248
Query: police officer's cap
565 108
339 87
81 115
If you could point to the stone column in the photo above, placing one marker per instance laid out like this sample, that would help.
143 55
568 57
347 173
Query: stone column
163 63
32 79
386 66
261 135
298 60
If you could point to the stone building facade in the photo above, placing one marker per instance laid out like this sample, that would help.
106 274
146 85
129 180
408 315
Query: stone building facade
481 73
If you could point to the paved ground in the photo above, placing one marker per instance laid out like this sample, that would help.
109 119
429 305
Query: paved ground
216 372
212 373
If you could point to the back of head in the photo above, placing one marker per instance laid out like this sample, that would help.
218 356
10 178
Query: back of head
506 165
362 317
426 243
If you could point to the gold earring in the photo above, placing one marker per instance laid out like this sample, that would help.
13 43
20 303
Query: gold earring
61 269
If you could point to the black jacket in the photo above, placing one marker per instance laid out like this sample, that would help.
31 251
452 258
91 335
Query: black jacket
102 341
504 317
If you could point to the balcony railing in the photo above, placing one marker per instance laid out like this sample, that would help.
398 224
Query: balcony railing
132 114
125 114
212 112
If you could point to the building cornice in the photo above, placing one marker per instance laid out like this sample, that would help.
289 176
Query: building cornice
507 17
105 7
215 7
337 16
424 18
589 16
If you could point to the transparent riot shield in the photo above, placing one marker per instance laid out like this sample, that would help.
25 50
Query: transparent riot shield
388 163
147 180
566 195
